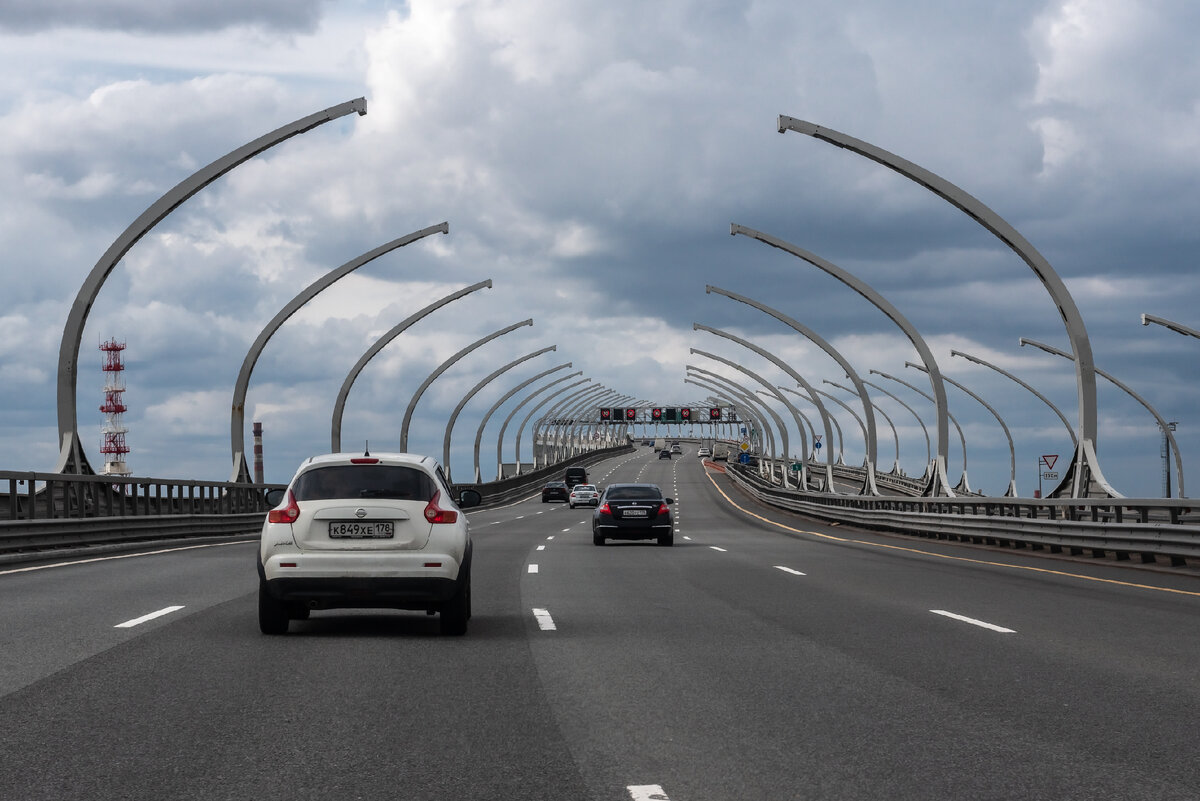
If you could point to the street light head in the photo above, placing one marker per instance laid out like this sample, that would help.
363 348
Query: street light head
1144 320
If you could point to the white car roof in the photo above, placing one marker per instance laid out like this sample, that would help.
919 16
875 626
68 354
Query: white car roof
410 459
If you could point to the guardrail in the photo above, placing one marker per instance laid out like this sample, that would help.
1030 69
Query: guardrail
42 512
1147 529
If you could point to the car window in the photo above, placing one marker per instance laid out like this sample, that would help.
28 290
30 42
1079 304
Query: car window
363 481
584 488
633 493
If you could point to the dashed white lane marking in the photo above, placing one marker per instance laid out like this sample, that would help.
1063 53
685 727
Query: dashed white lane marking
533 568
789 570
687 538
565 530
128 624
519 517
973 621
715 548
541 547
647 792
550 537
544 621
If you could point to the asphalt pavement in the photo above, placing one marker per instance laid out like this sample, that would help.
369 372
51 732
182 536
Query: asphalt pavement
763 656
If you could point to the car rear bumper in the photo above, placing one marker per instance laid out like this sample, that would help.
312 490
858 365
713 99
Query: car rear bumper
626 531
362 580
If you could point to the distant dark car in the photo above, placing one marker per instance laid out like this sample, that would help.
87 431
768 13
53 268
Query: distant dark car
575 475
664 454
633 512
556 491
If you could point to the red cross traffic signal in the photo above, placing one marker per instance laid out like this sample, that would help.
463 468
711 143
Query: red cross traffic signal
656 414
714 413
631 414
685 414
606 414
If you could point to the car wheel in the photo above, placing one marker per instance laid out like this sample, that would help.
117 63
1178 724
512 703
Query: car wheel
457 611
597 538
572 506
272 613
545 500
666 540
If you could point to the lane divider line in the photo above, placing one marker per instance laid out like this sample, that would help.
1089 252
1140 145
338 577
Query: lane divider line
533 568
137 621
647 792
715 548
544 621
789 570
541 547
1029 568
973 621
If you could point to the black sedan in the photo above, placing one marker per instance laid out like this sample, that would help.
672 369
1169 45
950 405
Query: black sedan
556 491
664 454
633 512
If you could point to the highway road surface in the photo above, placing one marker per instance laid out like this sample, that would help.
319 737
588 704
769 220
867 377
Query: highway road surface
762 657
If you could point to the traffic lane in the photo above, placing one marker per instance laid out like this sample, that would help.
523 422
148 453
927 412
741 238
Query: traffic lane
661 654
351 703
1078 641
57 614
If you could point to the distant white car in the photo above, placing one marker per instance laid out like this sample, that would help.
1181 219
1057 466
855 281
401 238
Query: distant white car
704 452
676 448
584 495
369 531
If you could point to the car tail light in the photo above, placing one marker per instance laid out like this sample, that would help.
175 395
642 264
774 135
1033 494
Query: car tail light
436 514
285 514
364 460
663 510
604 510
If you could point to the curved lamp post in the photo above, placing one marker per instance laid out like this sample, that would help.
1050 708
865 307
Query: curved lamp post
799 379
803 418
734 398
339 406
920 422
472 392
1163 424
775 393
869 432
443 367
554 421
1011 491
488 415
571 397
853 414
237 414
963 485
829 440
1038 395
895 436
939 484
71 458
1176 327
1085 466
750 400
515 409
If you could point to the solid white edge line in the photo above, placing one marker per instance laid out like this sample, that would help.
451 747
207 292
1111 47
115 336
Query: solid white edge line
789 570
973 621
544 621
128 624
715 548
122 556
647 792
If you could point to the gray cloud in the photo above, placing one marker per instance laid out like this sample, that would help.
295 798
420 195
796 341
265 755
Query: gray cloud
159 16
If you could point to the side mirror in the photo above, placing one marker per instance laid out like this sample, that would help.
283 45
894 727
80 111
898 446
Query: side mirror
670 501
468 498
275 497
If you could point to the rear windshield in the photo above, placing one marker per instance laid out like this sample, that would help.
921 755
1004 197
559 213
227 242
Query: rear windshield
363 481
633 493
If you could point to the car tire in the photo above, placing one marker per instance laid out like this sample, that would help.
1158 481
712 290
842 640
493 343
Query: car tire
572 505
666 540
272 612
597 539
297 611
457 611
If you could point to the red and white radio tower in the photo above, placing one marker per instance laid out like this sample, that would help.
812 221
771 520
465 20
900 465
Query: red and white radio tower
114 430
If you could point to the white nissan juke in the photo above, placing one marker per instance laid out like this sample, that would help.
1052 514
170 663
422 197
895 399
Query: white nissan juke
378 531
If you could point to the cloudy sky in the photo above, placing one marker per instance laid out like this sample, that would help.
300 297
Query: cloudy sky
589 158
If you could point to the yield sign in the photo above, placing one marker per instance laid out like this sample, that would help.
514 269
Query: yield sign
1050 460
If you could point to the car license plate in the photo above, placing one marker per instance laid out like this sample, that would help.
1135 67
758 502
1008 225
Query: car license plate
634 513
377 530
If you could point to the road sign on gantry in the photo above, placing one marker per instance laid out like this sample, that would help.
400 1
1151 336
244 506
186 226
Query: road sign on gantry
606 414
631 414
714 413
685 414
